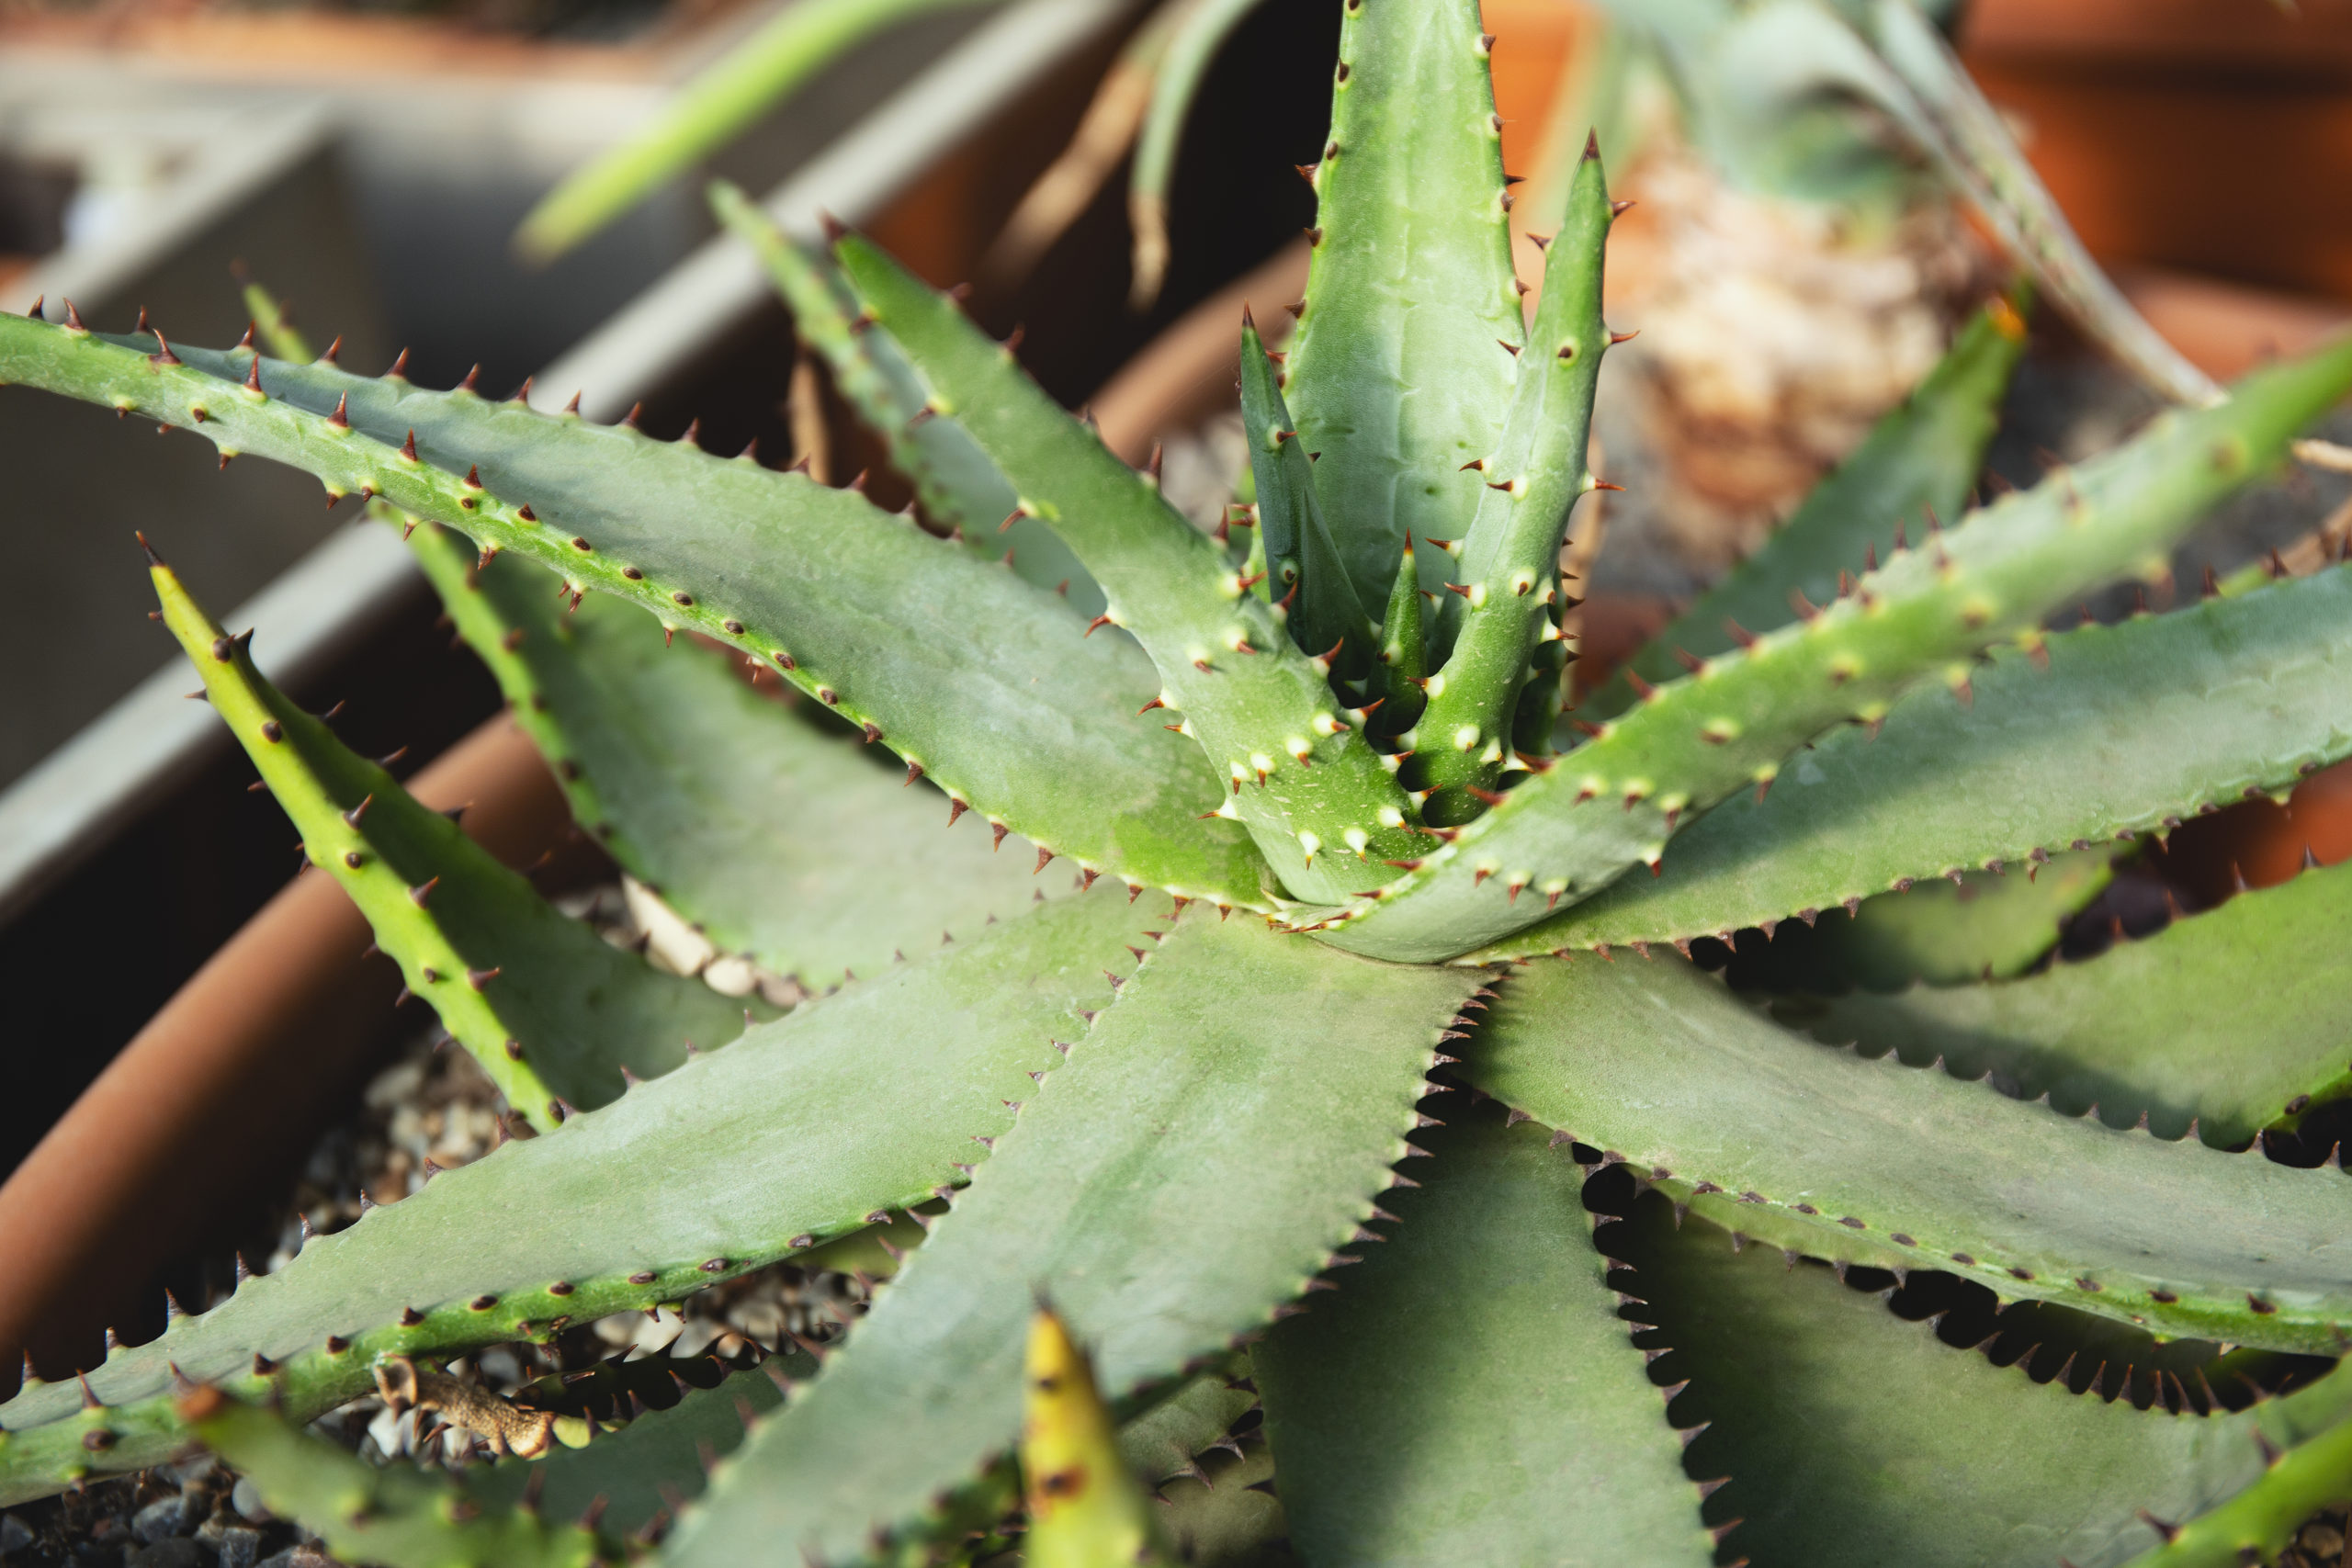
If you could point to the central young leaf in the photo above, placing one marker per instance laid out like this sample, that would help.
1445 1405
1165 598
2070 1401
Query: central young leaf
1403 369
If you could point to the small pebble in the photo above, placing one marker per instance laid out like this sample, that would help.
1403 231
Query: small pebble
298 1557
2321 1540
246 1500
173 1551
159 1518
191 1470
239 1547
14 1536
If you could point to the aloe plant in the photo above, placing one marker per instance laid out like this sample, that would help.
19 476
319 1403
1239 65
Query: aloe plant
1283 1088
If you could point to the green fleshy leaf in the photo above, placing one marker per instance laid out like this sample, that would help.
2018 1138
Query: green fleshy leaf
1218 1131
2221 1020
2131 727
548 1008
1980 927
1614 802
1853 1437
1395 376
1319 802
1229 1518
1510 559
1167 1440
1470 1395
1816 1151
807 1129
1326 617
394 1517
1404 649
733 806
1918 462
2259 1522
961 668
958 487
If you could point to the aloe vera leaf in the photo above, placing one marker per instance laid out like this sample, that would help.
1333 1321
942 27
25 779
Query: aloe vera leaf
553 1012
392 1517
1085 1507
963 669
1821 1152
1221 1129
2219 1020
807 1129
958 487
1395 375
1317 800
2259 1522
2132 727
1491 623
1614 802
1229 1518
641 1468
1404 649
1326 618
1981 927
1199 31
708 112
1471 1395
731 805
1167 1440
1920 460
1838 1470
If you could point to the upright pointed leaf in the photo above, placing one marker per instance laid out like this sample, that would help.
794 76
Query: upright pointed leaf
1614 801
1853 1437
1491 623
1404 649
1217 1133
2130 726
735 807
1470 1395
2231 1019
1396 377
809 1128
1319 802
1326 617
551 1010
1872 1162
960 668
1919 461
